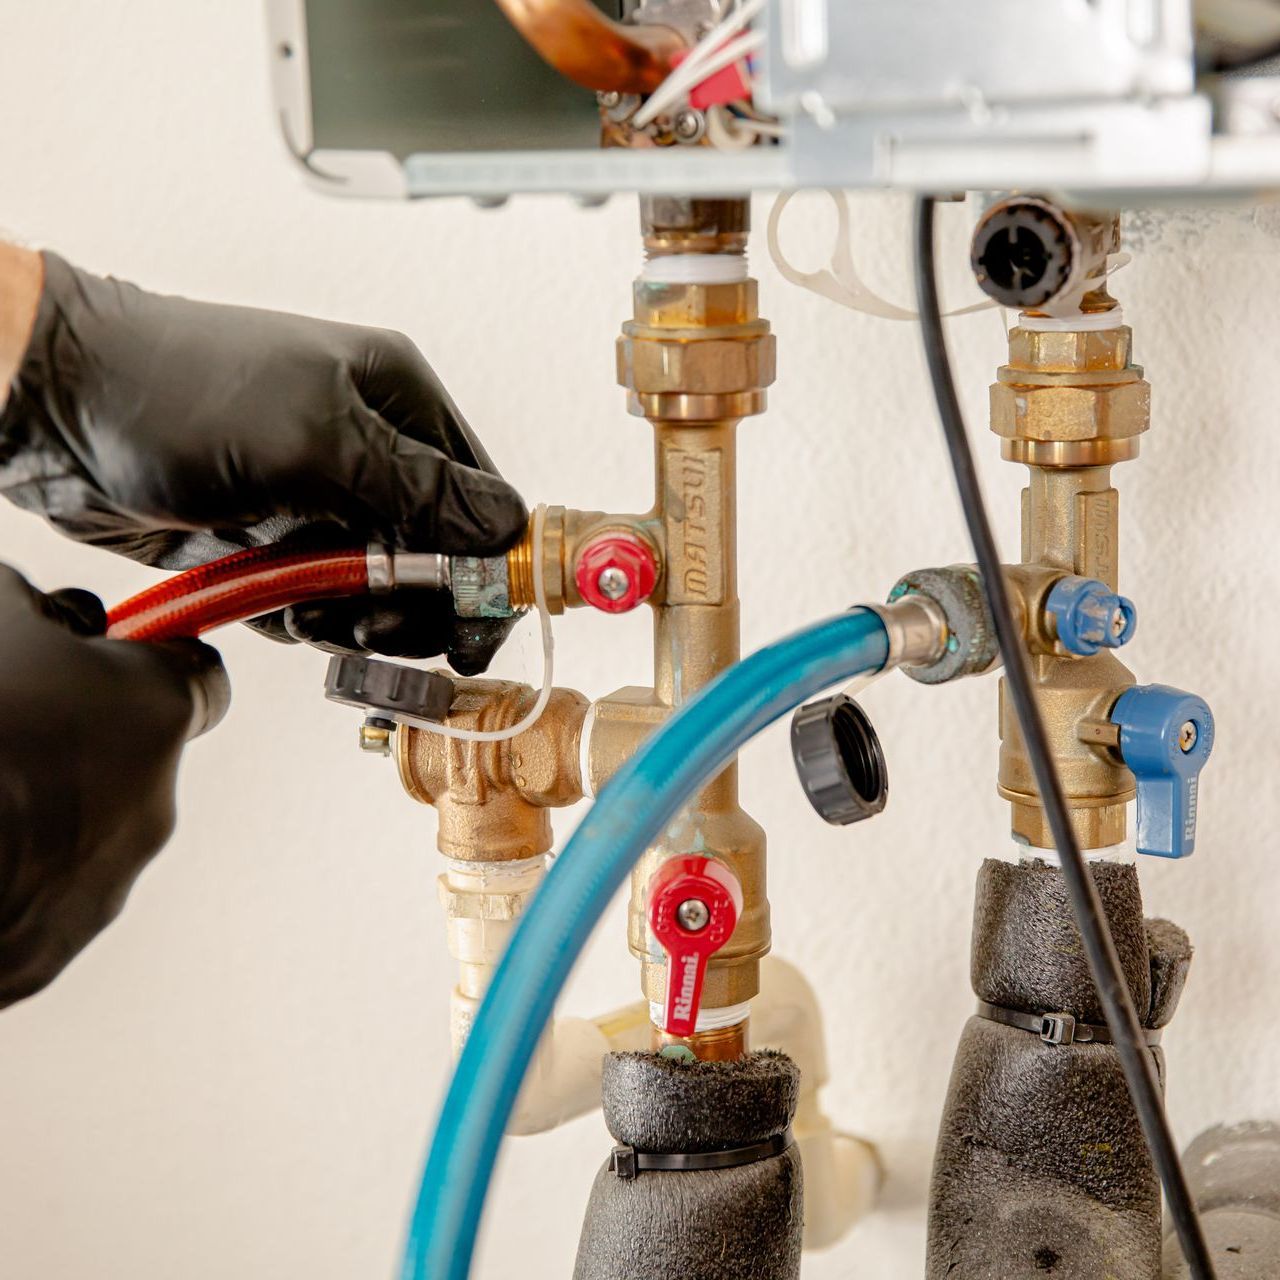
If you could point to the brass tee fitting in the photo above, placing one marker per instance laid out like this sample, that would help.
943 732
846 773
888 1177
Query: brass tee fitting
493 798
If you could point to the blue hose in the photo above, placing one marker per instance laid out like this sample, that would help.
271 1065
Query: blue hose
632 811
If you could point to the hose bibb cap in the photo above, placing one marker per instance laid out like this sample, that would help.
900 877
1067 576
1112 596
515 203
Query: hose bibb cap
388 689
839 760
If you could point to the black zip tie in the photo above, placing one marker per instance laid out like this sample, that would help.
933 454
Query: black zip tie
1054 1028
629 1163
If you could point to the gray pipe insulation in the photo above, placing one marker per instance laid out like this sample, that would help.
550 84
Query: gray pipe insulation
706 1224
1041 1168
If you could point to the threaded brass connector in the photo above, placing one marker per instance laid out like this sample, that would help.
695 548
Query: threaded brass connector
520 560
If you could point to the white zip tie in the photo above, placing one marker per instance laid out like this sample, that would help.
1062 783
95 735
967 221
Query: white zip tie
840 282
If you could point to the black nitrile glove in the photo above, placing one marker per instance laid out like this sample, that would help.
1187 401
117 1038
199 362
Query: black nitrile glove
90 735
175 432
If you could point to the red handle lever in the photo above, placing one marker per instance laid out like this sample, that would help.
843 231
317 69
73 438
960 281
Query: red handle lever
694 904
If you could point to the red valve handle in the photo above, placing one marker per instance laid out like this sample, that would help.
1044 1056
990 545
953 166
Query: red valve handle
682 893
616 572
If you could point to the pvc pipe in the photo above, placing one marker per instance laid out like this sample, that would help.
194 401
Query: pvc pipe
842 1173
483 902
563 1081
645 794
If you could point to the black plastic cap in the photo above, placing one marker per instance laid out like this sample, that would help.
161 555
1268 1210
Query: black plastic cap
839 760
388 688
1023 252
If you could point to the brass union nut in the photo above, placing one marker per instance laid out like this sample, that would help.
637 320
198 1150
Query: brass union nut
696 306
711 366
1110 412
1071 351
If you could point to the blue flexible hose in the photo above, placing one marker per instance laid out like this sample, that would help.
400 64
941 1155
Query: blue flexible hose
630 814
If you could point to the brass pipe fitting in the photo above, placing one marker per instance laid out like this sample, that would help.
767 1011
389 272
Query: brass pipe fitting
565 533
585 46
493 798
1070 399
693 224
1069 404
724 1044
694 359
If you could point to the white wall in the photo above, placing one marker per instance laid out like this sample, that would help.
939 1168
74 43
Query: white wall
239 1078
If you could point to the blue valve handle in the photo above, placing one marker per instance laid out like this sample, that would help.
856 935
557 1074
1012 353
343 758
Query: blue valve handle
1166 736
1090 616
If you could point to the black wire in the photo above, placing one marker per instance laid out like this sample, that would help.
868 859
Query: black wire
1122 1018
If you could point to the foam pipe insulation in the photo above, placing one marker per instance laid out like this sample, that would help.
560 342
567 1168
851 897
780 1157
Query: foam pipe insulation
1041 1167
705 1224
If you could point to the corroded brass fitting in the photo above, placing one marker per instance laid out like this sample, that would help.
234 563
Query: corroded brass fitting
493 798
1069 404
724 1044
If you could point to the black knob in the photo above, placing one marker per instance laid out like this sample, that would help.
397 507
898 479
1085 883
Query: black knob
839 759
388 688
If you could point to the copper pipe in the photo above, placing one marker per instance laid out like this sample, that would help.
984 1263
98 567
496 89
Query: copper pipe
725 1044
593 51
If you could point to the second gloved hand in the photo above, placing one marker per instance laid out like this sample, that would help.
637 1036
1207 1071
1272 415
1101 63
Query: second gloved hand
175 432
91 732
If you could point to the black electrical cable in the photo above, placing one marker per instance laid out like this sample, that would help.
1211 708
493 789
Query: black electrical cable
1104 961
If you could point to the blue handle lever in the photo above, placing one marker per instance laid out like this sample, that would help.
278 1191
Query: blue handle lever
1166 736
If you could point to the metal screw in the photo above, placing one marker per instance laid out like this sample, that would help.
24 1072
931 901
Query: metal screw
375 736
693 914
609 99
614 583
1187 736
689 125
1118 623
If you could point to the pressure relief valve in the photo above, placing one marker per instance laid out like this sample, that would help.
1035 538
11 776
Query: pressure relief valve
1166 736
694 905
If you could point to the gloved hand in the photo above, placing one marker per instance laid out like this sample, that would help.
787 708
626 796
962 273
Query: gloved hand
175 432
90 735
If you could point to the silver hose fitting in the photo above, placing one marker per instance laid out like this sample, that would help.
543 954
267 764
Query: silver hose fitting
917 628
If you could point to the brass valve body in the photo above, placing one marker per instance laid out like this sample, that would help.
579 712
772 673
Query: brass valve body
493 798
1069 404
564 532
694 359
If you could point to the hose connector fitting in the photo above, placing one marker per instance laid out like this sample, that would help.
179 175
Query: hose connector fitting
969 646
